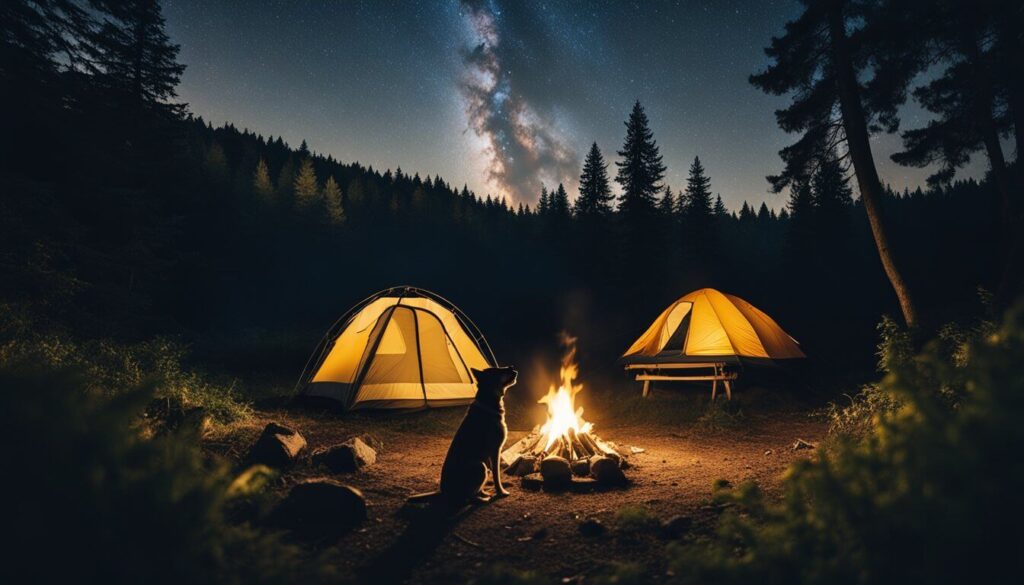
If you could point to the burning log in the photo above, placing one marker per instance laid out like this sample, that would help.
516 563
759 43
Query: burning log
564 437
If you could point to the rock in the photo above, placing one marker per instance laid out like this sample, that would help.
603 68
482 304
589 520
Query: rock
581 467
372 440
592 527
556 471
606 470
635 450
320 507
768 452
676 526
352 455
802 444
532 482
278 446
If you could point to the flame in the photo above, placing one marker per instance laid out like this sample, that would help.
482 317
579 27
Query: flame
562 414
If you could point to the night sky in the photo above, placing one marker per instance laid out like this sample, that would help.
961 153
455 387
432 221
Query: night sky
500 95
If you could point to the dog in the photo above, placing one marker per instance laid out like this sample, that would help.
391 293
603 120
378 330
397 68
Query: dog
477 444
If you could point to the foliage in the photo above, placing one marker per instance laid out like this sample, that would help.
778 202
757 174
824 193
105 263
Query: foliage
110 369
896 351
105 504
928 496
504 575
720 414
621 573
634 518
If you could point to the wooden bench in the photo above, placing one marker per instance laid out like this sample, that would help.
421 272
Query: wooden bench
664 373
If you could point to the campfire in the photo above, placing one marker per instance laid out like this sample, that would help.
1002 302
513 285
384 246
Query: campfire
564 447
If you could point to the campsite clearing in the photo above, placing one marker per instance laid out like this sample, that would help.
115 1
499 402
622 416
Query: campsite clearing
534 530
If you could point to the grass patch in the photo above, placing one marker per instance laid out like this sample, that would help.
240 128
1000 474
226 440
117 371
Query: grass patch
636 519
109 369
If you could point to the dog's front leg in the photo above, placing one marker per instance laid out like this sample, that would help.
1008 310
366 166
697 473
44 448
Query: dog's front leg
499 490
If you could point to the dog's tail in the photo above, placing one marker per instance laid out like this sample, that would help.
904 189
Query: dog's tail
425 498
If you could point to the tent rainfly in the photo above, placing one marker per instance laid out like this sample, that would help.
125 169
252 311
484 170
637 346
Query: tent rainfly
402 347
707 325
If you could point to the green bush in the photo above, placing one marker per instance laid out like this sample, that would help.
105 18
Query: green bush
928 496
91 500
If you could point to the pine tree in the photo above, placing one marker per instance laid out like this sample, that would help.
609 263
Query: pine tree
667 205
595 199
831 189
763 215
800 235
747 213
216 165
356 193
261 184
641 169
543 204
305 187
720 210
134 55
286 177
822 60
559 203
332 201
698 194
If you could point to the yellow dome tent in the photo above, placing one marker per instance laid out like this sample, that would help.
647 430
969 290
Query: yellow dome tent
707 328
402 347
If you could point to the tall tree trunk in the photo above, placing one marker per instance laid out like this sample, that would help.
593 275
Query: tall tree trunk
857 140
983 104
1008 189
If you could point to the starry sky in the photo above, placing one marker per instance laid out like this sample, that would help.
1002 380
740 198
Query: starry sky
501 95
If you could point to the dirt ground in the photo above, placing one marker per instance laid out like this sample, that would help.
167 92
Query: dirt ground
536 530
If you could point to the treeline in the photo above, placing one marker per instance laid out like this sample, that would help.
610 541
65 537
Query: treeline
125 216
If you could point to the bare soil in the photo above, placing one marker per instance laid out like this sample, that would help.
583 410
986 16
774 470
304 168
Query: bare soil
533 530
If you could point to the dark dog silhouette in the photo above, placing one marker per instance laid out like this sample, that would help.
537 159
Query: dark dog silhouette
477 444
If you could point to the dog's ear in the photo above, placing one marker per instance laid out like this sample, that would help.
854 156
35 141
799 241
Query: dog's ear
476 374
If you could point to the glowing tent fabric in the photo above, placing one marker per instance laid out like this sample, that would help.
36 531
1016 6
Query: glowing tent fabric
710 324
400 348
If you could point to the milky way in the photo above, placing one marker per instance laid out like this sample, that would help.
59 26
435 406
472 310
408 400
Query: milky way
523 148
502 95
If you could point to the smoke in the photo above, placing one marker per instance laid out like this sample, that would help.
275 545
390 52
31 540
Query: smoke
524 149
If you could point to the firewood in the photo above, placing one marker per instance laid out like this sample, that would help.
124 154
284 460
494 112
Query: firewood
591 444
511 468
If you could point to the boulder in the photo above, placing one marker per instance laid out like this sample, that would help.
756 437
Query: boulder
373 441
556 471
592 527
320 507
352 455
676 526
278 446
606 470
581 467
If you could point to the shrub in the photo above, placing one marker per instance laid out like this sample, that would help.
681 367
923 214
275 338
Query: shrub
95 502
928 496
108 368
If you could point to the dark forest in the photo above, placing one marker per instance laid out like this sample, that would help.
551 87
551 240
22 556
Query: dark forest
155 268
